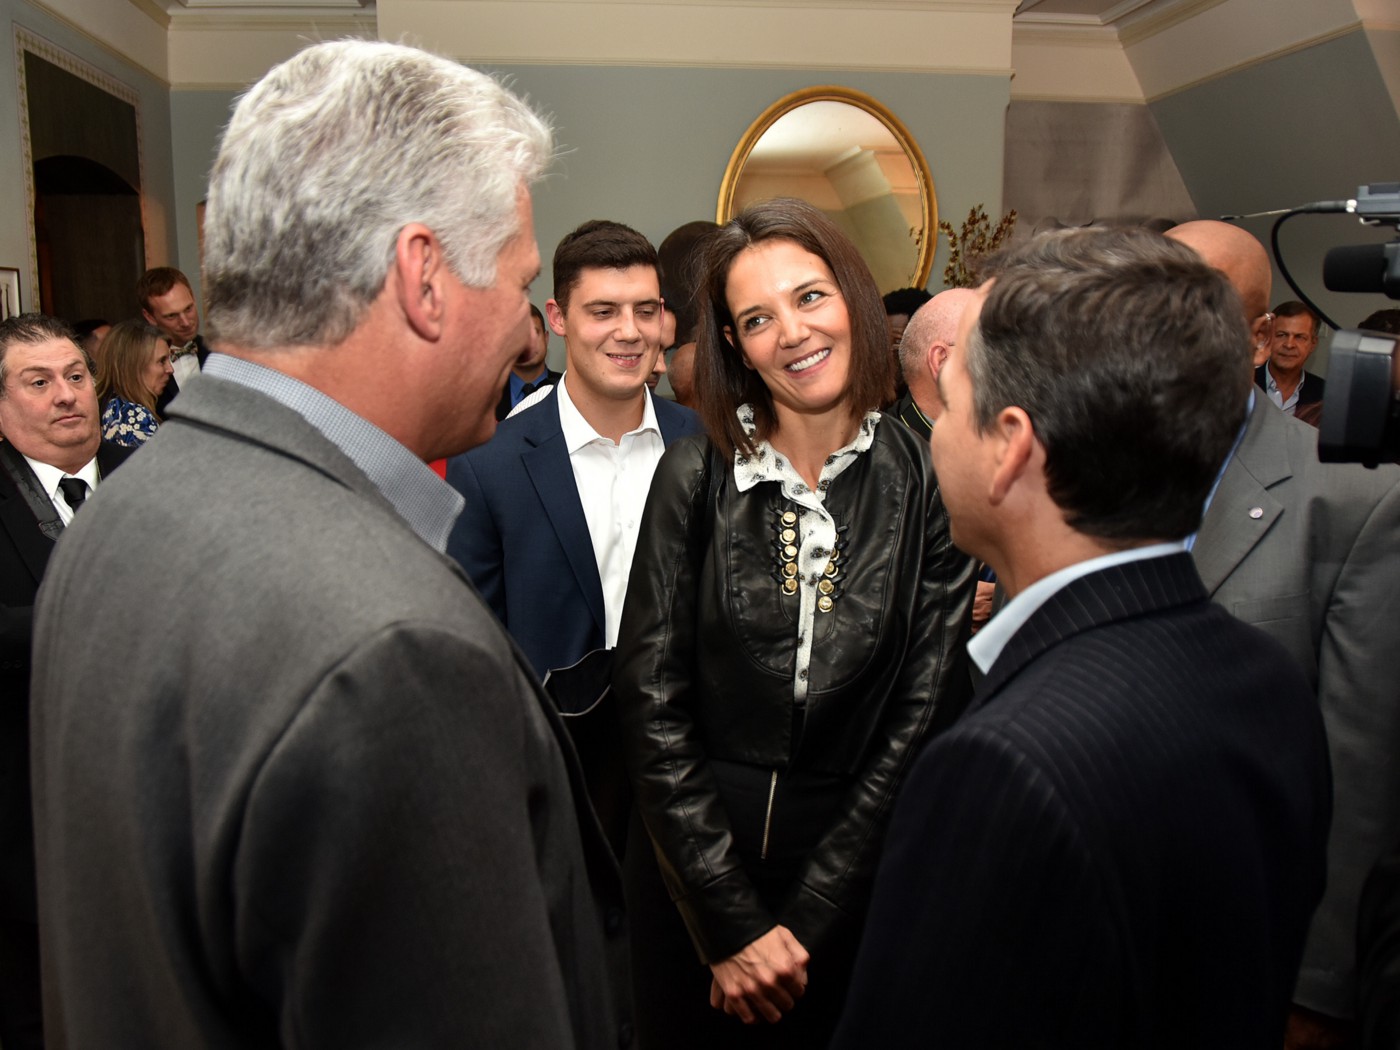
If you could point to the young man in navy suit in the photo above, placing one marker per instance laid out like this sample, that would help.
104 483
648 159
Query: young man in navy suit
554 501
1121 843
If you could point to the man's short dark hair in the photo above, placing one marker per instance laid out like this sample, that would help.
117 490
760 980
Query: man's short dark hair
1132 359
539 317
1293 308
31 330
158 281
679 260
598 244
905 301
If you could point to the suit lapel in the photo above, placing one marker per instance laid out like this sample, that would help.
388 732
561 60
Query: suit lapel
1102 597
1243 510
19 523
675 421
546 462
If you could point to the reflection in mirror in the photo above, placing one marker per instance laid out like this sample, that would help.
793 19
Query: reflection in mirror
842 151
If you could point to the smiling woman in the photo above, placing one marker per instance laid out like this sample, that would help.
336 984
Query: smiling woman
792 633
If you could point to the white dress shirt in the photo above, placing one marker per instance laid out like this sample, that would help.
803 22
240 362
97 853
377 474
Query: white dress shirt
50 476
612 481
186 368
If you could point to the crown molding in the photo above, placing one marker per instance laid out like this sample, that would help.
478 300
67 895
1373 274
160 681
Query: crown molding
1065 34
153 11
304 23
1150 25
957 36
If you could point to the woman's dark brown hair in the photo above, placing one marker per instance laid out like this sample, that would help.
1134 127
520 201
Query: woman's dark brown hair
723 382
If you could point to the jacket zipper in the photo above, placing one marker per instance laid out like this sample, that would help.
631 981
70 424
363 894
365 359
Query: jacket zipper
768 816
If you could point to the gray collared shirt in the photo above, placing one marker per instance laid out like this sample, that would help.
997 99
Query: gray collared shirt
427 503
1289 404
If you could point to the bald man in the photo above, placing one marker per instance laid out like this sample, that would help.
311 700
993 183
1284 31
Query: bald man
1306 551
923 350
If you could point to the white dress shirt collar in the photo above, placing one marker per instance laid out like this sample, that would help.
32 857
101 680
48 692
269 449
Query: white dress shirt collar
49 477
579 432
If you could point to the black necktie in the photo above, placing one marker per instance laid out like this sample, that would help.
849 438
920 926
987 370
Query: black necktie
526 391
75 491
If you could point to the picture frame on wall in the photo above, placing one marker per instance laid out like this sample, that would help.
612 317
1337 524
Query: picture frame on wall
9 292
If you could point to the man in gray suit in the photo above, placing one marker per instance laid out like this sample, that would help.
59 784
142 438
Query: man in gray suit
1306 551
301 790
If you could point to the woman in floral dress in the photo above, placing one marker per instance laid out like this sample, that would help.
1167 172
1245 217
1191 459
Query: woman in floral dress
133 367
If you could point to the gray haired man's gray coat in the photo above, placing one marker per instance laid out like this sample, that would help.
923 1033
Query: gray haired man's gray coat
294 785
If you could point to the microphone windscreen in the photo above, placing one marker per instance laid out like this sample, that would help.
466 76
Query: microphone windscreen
1355 268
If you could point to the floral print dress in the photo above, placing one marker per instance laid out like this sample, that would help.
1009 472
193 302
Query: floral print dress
127 423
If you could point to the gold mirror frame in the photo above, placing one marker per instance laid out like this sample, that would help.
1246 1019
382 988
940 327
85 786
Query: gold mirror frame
927 241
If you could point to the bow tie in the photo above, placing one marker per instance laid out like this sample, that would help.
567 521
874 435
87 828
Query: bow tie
177 352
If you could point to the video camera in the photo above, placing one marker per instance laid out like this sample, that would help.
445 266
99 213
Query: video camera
1361 408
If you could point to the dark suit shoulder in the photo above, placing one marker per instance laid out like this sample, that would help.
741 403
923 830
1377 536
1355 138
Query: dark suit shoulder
110 455
1126 701
526 430
675 420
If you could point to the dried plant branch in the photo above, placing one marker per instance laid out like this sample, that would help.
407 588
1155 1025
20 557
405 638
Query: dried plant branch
976 240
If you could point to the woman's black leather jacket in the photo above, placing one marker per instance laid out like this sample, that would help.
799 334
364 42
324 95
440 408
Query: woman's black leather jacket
705 663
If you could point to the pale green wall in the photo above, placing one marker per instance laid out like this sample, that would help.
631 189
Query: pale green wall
648 146
198 119
154 105
1313 125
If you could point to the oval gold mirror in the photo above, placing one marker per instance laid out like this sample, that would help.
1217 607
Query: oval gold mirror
844 152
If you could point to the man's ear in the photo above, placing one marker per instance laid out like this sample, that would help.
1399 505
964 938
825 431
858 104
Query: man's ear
421 272
554 313
1015 445
1261 335
150 318
937 358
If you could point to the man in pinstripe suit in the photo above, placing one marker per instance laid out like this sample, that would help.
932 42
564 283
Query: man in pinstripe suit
1121 843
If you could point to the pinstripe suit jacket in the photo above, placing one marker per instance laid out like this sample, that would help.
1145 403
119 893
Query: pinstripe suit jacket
1118 846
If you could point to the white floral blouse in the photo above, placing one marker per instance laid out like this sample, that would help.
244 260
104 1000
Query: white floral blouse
814 525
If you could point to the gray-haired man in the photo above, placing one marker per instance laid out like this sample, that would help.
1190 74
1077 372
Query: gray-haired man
301 790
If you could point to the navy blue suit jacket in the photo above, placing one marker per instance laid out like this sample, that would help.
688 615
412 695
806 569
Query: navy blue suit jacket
1118 846
522 536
